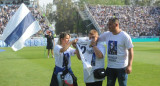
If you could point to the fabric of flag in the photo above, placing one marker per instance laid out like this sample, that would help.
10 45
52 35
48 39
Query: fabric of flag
20 27
86 64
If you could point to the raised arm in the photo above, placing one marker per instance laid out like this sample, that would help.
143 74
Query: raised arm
68 45
97 52
76 52
78 55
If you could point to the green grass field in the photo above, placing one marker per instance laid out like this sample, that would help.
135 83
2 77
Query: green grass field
29 67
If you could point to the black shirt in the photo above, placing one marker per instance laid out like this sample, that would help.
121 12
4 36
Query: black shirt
49 39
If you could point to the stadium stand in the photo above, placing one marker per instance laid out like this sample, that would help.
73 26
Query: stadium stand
138 21
135 20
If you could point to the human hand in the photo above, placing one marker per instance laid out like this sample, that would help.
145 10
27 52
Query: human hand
93 42
74 41
128 69
74 45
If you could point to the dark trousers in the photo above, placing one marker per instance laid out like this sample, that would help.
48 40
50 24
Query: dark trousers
54 81
98 83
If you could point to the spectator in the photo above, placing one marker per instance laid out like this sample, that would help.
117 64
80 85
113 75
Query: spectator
119 53
50 42
135 18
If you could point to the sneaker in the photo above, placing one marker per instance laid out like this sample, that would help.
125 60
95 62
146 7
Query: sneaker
48 56
52 56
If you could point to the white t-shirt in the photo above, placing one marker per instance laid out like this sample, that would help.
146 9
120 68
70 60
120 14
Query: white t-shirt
59 56
117 48
99 62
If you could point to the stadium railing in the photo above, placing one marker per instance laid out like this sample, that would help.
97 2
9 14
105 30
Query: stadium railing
31 42
92 19
146 39
43 41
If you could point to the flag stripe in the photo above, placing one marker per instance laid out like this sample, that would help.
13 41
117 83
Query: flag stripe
20 29
15 20
32 29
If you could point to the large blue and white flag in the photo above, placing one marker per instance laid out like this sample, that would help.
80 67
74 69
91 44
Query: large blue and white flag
20 27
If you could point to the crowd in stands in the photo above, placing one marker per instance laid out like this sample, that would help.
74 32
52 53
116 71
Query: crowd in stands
135 20
6 12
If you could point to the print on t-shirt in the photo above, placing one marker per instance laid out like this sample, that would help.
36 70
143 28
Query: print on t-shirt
112 51
65 59
93 61
112 47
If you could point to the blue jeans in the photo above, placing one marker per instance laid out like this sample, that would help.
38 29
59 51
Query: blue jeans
113 73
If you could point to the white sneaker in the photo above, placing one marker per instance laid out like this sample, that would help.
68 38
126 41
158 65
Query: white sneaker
52 56
48 56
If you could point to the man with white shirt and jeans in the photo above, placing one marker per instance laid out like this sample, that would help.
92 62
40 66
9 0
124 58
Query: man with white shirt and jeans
119 53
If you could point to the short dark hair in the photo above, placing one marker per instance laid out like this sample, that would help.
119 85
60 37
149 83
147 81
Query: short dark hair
63 34
114 20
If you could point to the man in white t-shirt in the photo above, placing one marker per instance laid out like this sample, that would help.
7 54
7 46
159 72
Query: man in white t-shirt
119 53
94 53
